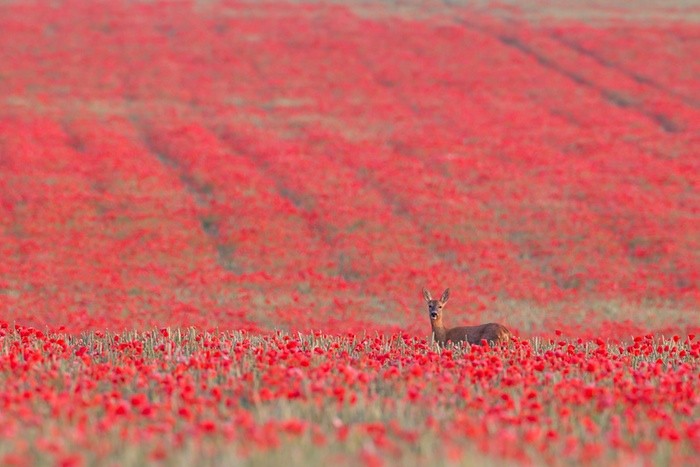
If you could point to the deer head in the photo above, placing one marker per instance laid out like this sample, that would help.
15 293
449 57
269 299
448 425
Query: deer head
435 306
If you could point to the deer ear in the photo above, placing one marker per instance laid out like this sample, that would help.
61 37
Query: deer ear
426 295
445 296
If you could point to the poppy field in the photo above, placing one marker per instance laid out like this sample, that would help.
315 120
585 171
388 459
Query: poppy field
216 219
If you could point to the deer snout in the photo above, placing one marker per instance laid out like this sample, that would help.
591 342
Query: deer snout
433 314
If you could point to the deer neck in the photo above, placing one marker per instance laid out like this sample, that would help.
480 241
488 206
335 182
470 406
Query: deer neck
439 331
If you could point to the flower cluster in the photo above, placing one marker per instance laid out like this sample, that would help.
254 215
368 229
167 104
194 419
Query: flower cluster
169 393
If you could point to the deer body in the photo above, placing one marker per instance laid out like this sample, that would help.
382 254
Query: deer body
493 333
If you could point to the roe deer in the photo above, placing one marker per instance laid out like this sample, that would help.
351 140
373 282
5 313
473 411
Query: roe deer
493 333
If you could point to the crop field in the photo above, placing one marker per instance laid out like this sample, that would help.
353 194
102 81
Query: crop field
216 219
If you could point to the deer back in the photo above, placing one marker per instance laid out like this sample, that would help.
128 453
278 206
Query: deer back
492 333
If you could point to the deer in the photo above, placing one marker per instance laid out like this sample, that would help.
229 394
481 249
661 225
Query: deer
492 333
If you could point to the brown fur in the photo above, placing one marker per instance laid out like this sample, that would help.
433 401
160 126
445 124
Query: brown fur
493 333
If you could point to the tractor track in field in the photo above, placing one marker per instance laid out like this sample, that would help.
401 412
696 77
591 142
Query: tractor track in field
664 122
202 195
282 189
637 77
320 234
